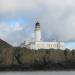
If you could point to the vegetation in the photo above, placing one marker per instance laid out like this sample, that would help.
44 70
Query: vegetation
16 58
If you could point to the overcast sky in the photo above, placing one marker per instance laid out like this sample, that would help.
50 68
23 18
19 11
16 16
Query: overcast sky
18 18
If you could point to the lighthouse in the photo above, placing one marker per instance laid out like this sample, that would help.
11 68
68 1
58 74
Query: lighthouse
37 32
37 43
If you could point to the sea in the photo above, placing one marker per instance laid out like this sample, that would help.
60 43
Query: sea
40 73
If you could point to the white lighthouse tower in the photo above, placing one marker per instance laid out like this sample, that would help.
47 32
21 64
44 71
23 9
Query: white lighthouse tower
37 32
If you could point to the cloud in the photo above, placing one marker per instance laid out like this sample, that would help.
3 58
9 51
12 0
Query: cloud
57 19
16 33
7 31
15 5
17 27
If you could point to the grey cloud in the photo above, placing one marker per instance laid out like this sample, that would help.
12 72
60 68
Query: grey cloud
15 34
57 18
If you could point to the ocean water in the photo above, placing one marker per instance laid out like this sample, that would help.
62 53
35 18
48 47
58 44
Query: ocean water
40 73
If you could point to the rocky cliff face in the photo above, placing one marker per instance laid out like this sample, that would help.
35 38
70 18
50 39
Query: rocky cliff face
35 60
6 52
4 44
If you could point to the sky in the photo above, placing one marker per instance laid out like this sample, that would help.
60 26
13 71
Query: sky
56 17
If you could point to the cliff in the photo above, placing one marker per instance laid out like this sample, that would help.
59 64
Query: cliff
16 58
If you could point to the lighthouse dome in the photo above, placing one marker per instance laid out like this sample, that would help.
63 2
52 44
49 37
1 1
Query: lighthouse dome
37 24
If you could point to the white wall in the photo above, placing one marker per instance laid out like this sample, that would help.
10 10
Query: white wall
49 45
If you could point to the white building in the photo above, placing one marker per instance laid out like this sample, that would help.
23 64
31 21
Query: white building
39 44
